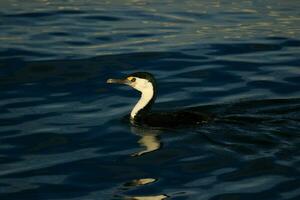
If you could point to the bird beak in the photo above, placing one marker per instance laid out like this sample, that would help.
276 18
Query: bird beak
119 81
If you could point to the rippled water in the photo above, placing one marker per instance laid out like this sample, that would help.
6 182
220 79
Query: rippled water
62 128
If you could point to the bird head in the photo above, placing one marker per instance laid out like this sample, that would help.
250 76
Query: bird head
141 81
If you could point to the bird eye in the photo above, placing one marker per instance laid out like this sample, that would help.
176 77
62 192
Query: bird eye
133 80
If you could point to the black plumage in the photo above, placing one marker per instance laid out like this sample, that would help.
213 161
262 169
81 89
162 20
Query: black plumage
173 119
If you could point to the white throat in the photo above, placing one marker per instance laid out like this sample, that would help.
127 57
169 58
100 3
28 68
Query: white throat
146 88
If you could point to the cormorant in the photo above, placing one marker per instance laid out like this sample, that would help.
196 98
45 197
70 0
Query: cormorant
142 115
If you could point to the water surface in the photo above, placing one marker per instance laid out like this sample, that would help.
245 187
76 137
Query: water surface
62 128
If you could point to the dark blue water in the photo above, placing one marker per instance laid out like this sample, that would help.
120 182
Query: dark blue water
62 128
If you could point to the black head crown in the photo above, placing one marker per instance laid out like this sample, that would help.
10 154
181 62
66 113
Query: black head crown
147 76
144 75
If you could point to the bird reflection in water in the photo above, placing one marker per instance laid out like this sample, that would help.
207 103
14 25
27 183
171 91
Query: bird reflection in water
149 140
158 197
140 182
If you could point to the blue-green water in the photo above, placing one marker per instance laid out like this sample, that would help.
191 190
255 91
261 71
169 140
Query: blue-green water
62 128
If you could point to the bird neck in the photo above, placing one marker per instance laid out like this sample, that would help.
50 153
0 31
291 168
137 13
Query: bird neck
144 103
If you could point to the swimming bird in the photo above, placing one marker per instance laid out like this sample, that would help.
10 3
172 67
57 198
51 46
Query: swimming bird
142 115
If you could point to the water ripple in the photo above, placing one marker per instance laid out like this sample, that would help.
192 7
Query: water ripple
65 134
